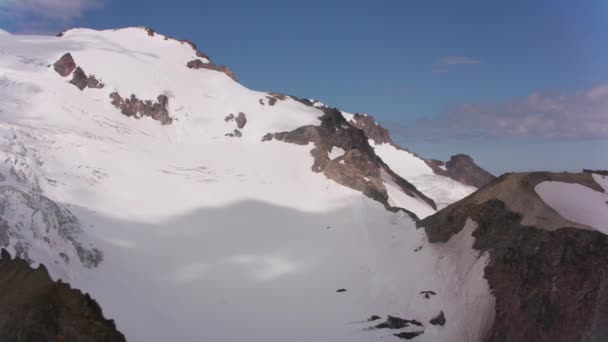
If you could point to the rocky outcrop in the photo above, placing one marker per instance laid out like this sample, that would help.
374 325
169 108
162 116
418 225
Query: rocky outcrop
235 134
372 129
274 97
549 276
241 120
199 64
81 80
134 107
439 319
463 169
35 308
65 65
460 167
359 168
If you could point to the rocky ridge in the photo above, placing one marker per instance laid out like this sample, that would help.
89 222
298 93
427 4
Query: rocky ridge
548 275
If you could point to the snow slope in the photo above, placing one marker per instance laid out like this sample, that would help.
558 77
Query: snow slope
578 203
443 190
203 236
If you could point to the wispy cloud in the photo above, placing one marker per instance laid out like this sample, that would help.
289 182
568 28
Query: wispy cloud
457 60
45 13
548 115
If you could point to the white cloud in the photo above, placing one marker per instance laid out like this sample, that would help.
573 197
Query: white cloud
56 10
550 115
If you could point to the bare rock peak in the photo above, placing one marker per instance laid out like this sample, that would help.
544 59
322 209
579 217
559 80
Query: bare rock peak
65 65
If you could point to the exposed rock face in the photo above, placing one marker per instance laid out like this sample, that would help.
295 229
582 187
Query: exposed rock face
150 31
236 133
137 108
372 129
274 97
81 80
460 167
34 308
549 276
393 322
359 168
463 169
65 65
241 120
439 320
199 64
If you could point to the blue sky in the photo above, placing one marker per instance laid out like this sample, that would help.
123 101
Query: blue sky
519 85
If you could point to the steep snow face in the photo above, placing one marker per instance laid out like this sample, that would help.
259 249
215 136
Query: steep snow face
202 236
442 190
578 203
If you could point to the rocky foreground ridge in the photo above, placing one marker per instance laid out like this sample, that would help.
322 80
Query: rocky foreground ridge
549 275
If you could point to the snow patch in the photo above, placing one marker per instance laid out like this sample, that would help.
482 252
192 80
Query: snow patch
577 203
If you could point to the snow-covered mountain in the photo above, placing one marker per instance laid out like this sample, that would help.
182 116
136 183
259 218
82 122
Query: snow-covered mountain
192 208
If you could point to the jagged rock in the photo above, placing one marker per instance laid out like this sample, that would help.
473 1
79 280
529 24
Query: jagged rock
393 322
229 117
463 169
549 276
198 64
359 168
235 133
439 319
137 108
373 318
81 80
35 308
150 31
408 335
372 129
93 82
274 97
241 120
65 65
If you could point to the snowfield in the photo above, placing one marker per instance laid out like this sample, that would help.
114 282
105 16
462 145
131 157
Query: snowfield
578 203
205 237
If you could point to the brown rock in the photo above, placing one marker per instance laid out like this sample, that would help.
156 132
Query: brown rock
137 108
81 80
199 64
372 129
65 65
360 168
463 169
549 276
241 120
34 308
